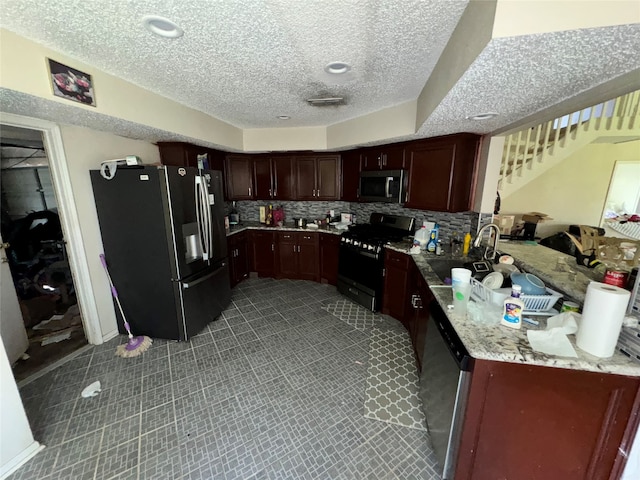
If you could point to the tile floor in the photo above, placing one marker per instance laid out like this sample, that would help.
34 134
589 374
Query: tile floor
274 389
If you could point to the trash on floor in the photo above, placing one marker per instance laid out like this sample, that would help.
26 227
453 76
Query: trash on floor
58 337
92 390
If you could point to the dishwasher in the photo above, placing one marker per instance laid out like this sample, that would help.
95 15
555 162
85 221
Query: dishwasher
444 388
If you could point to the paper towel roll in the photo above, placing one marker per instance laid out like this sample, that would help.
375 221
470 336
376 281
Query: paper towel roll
602 314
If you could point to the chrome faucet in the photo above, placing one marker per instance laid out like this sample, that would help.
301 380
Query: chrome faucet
478 239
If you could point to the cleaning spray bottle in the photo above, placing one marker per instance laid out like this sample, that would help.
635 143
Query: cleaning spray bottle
467 244
512 309
432 244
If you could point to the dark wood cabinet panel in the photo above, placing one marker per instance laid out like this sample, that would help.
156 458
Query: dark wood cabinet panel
262 182
329 254
283 175
328 178
239 177
350 176
298 255
305 178
262 245
385 157
574 422
238 258
442 173
308 256
273 178
396 286
287 258
318 178
182 154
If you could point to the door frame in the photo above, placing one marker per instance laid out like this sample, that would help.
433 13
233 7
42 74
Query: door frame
54 148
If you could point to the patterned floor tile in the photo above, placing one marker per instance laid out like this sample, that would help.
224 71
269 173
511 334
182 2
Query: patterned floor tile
287 403
392 393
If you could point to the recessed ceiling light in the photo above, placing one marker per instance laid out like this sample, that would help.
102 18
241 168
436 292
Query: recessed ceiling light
163 27
482 116
284 117
337 68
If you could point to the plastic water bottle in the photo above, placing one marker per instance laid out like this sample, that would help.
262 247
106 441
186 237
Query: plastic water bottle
421 237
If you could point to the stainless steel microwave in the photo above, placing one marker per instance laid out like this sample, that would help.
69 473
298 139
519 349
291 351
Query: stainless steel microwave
383 186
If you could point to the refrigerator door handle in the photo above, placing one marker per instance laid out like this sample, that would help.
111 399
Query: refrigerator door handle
203 278
207 205
203 217
198 211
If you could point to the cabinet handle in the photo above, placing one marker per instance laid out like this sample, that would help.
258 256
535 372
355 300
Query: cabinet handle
294 249
270 192
249 191
298 248
314 192
384 159
273 247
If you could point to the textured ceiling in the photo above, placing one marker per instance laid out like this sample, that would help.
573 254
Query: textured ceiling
248 61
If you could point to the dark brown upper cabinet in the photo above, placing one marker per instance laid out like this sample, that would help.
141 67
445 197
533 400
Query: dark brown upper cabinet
350 176
318 177
442 173
384 157
273 178
180 154
239 177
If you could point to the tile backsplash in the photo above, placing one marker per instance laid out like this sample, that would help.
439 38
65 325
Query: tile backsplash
449 222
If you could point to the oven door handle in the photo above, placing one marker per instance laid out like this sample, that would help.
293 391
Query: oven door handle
387 187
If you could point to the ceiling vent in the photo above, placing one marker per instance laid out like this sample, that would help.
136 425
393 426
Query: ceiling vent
325 101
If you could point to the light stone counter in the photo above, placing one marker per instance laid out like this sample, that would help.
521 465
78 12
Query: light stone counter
286 228
503 344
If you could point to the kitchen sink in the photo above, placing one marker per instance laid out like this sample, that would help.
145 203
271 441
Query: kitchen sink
442 266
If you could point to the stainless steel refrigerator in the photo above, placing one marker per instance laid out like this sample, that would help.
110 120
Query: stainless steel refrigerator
165 245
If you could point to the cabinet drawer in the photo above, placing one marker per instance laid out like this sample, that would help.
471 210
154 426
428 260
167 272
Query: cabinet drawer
398 260
308 238
286 237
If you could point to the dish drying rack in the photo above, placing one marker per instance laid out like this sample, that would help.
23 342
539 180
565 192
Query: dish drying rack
532 303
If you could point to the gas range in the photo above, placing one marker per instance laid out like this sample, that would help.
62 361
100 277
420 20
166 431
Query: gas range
361 263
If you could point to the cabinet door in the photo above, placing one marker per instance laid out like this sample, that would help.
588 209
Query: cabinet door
350 176
231 252
396 286
328 178
287 257
305 178
239 177
430 178
420 321
575 419
329 254
262 178
242 258
263 253
308 256
283 174
173 153
393 158
371 159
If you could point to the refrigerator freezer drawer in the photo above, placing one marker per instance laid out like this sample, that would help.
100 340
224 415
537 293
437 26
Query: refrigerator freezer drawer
204 297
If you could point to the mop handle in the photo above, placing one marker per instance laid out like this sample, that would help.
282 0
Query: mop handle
114 292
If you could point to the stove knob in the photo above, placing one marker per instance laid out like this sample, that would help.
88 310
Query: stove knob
371 247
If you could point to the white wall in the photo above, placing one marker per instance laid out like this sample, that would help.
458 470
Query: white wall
84 150
574 191
16 440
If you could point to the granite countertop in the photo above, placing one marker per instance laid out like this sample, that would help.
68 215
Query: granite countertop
498 343
287 227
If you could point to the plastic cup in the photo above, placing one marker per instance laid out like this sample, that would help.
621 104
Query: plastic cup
461 286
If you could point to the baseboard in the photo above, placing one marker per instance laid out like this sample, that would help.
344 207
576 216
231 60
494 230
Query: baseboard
108 336
53 366
20 459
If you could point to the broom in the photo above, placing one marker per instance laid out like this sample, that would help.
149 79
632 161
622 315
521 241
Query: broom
136 345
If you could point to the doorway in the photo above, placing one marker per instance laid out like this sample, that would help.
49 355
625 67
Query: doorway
36 253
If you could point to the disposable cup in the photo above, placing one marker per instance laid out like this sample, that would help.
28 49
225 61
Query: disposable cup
461 286
461 294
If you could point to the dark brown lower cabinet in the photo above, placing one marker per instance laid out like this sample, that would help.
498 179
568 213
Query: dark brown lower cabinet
298 255
263 252
238 257
406 297
329 254
546 423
